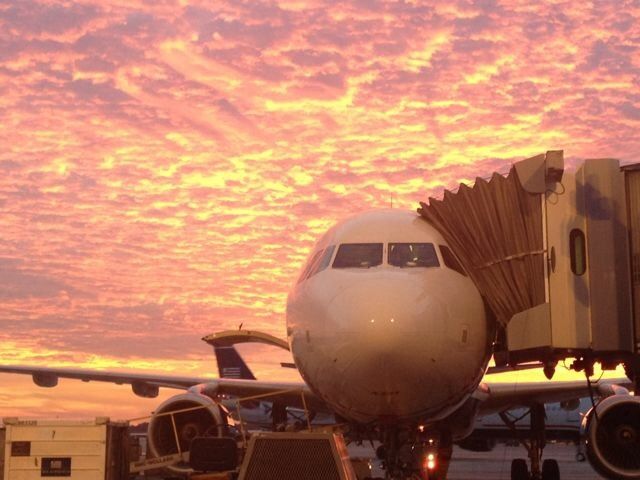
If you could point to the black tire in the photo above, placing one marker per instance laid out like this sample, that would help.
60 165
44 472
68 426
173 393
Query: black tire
519 469
550 470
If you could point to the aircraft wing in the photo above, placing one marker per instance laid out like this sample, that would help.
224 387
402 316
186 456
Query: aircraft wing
48 377
508 368
499 397
288 393
496 397
146 385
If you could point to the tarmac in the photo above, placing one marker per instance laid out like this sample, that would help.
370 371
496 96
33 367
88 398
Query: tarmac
496 464
493 465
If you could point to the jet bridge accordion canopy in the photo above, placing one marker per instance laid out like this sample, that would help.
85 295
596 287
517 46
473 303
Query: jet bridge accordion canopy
495 228
549 250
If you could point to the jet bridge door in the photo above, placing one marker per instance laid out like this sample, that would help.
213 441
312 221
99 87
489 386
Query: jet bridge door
590 285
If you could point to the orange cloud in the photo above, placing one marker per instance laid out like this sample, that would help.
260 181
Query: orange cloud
165 169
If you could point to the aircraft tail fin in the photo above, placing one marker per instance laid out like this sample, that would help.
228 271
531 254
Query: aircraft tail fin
231 364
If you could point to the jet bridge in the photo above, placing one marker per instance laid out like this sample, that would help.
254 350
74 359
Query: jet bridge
556 255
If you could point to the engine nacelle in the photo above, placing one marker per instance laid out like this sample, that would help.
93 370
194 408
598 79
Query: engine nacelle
47 380
196 416
144 390
612 431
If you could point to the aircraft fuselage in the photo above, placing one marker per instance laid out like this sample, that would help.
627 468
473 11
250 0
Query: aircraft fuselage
385 328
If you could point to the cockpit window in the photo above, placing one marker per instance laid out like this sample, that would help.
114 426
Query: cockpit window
323 261
312 261
451 261
358 255
413 255
318 262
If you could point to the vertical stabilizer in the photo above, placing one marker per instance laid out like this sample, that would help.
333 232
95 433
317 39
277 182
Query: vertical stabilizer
231 364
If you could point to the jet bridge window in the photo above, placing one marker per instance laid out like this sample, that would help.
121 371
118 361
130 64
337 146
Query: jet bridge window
358 255
577 251
413 255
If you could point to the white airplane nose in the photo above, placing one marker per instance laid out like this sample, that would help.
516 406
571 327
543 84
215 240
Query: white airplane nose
379 338
395 330
381 309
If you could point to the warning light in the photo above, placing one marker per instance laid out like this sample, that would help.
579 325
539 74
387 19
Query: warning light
430 461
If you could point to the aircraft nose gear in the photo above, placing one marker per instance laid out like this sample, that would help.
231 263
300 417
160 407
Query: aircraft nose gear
415 454
547 470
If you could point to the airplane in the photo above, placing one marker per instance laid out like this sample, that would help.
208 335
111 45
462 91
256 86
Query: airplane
390 334
563 423
256 414
562 419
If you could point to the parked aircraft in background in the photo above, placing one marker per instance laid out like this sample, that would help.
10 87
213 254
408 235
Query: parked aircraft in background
258 414
390 334
563 423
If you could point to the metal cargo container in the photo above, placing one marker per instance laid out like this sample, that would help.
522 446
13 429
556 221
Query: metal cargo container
75 449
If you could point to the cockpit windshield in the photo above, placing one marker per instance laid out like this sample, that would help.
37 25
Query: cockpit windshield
413 255
358 255
323 261
312 261
317 263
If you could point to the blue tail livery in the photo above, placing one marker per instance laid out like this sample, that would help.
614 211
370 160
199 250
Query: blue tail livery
231 365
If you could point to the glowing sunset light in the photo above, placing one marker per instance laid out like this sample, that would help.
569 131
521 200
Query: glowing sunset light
165 169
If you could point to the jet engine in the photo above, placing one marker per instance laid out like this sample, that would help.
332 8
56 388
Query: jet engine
612 432
180 419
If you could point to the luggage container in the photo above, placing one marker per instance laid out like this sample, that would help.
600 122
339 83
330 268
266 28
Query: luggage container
75 449
2 433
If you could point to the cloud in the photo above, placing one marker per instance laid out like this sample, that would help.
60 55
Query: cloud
166 169
40 18
630 111
16 282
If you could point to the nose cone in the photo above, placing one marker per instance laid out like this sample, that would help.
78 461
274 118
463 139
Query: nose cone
392 343
396 348
382 310
395 333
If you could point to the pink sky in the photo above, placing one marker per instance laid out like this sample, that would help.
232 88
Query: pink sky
165 169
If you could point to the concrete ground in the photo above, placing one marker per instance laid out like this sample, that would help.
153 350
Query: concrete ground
496 465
